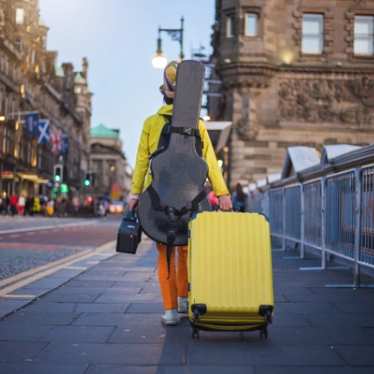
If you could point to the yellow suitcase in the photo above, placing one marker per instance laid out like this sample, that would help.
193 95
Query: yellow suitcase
230 272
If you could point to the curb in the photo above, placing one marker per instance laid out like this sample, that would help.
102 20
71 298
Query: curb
11 302
50 227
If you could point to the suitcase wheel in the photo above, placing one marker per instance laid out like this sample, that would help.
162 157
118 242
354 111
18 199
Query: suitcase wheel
264 333
195 334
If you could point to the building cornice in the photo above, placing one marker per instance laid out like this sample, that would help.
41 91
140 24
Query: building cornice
242 74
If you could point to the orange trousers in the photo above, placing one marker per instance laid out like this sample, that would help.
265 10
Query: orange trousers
173 283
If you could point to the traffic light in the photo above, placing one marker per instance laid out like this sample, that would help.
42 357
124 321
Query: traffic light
87 180
58 173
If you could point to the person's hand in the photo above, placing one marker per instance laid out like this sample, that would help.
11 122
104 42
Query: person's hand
132 201
225 202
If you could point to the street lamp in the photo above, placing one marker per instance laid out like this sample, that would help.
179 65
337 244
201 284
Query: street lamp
159 61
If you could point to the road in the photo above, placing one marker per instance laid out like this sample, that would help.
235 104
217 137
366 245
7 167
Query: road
30 242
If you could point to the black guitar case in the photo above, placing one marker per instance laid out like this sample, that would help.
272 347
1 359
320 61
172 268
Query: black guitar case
178 172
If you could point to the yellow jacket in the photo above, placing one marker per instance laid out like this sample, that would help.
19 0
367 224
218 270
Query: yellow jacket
149 142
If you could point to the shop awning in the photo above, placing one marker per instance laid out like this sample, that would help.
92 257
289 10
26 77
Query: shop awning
33 178
7 175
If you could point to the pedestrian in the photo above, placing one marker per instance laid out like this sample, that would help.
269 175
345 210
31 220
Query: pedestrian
63 207
58 206
21 205
173 278
50 208
6 202
239 199
76 203
28 206
13 204
36 206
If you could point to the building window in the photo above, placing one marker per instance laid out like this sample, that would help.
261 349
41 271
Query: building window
229 26
364 35
33 57
251 24
20 16
312 41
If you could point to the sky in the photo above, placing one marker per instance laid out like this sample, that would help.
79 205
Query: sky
119 39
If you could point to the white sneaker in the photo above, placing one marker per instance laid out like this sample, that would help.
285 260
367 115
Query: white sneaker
182 304
170 317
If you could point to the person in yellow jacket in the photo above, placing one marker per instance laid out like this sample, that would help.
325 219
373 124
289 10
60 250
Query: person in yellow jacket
173 282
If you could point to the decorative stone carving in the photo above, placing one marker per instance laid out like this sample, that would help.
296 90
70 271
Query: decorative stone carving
243 125
242 128
2 18
315 101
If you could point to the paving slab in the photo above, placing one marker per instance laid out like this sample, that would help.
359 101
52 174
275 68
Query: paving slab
147 328
32 368
49 306
19 351
145 308
100 308
362 319
260 354
110 369
128 354
78 334
43 318
71 297
95 284
357 356
312 370
22 331
116 298
9 305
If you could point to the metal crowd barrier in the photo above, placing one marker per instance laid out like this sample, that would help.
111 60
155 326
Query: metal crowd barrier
332 214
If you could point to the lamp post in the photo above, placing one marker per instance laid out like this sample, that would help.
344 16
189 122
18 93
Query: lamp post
159 61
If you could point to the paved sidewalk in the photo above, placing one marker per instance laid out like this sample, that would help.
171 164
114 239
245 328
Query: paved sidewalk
107 320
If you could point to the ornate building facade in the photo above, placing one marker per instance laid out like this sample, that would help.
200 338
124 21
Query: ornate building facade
293 72
31 82
111 171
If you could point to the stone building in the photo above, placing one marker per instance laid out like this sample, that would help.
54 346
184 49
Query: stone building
292 72
109 166
31 81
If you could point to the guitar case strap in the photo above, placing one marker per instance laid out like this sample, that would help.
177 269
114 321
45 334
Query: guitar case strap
168 129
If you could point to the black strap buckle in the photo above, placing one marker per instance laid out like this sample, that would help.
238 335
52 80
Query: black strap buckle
188 131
